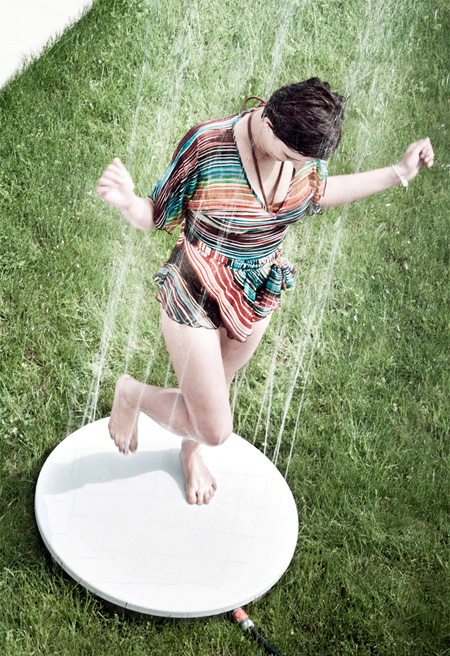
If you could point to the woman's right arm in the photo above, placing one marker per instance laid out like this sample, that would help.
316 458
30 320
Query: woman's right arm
116 188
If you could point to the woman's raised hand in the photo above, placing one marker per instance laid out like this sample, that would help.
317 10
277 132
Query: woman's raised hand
116 186
418 154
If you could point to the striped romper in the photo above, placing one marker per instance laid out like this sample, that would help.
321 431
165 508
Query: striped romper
226 268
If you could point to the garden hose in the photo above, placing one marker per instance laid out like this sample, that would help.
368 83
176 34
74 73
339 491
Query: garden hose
246 624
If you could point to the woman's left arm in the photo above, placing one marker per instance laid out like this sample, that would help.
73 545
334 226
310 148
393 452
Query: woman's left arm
342 189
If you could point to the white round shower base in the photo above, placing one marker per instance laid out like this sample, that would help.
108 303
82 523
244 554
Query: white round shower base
122 528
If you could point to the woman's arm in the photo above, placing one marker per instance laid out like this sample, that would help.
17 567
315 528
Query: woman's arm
342 189
139 213
116 188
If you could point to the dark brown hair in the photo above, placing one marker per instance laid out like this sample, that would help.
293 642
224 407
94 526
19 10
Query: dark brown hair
307 117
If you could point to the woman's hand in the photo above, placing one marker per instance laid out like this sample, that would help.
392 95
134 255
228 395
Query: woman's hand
347 188
418 154
115 186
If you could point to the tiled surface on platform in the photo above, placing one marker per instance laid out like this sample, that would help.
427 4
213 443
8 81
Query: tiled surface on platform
121 526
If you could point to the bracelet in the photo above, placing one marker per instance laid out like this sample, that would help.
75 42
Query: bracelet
403 180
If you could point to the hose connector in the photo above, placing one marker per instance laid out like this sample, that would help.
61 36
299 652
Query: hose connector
243 619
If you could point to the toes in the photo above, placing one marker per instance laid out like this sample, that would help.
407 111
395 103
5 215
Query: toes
191 498
208 495
112 432
115 438
200 485
199 497
122 446
191 494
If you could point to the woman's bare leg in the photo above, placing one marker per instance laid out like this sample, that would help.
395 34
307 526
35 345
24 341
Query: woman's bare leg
205 362
199 409
206 401
165 406
234 355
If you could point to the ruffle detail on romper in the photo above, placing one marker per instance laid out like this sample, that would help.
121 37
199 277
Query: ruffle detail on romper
238 292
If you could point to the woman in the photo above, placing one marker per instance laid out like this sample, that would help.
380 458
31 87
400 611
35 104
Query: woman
236 184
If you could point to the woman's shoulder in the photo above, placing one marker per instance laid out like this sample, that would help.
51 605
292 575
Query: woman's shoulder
211 131
313 169
223 123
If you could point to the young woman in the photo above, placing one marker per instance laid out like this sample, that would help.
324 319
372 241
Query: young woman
235 184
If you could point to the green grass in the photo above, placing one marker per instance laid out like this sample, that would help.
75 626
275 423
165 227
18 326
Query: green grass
366 330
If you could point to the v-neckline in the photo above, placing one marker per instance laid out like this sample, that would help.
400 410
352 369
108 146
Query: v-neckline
260 201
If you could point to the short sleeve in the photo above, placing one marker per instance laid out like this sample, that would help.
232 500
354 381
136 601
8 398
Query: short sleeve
317 182
173 191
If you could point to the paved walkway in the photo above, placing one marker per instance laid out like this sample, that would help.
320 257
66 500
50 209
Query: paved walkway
27 25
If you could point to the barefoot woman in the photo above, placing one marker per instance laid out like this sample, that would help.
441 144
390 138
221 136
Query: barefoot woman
235 184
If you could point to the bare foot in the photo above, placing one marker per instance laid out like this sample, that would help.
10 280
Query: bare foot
200 484
123 422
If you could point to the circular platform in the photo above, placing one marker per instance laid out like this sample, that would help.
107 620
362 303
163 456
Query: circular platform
121 527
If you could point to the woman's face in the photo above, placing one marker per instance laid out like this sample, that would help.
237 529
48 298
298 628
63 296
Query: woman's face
275 148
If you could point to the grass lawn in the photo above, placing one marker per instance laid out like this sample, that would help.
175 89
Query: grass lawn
349 392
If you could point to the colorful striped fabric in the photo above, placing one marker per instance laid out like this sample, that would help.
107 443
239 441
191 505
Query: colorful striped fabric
226 268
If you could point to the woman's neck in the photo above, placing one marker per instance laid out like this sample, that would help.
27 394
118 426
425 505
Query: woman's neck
257 127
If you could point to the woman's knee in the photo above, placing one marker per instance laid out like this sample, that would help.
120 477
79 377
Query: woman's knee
214 433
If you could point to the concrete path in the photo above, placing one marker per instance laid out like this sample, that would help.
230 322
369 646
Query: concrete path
27 25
